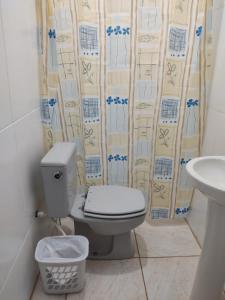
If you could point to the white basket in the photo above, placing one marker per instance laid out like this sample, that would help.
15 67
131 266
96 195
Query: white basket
62 261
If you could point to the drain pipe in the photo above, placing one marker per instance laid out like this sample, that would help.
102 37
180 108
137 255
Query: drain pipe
59 227
41 214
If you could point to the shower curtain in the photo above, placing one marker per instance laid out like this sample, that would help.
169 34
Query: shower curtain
127 81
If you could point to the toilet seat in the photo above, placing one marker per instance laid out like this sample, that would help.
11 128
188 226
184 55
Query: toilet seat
114 202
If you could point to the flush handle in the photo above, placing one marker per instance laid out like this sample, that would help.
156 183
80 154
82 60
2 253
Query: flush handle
58 175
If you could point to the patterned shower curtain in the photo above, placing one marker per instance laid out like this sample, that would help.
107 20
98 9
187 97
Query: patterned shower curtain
127 81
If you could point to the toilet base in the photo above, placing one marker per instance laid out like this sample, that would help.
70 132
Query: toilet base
118 246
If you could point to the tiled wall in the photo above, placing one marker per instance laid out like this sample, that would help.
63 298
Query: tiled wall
20 148
214 140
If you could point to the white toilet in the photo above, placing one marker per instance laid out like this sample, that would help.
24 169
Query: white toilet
105 214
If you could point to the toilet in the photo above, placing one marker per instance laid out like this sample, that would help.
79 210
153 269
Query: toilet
105 214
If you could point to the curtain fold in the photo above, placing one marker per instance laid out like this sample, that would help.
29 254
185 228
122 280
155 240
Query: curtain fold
127 81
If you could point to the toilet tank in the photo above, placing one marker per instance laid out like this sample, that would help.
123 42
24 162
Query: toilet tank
58 171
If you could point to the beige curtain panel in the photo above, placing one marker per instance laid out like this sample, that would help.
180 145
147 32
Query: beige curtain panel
127 81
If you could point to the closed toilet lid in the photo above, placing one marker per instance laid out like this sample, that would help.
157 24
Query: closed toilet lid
112 200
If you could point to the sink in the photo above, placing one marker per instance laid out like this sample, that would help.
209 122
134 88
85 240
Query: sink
208 176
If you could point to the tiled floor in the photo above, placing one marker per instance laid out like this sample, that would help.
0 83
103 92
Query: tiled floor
163 268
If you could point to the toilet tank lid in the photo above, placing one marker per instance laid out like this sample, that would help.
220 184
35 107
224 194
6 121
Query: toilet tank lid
114 200
59 154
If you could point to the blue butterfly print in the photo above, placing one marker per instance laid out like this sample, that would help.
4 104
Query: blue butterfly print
52 33
124 101
192 102
117 157
109 30
199 31
124 158
183 161
117 30
117 100
52 102
126 30
110 158
109 100
178 211
182 210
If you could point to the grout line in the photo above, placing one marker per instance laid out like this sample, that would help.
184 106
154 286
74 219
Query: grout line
194 235
160 257
34 287
20 119
114 259
142 273
176 256
216 109
16 257
5 55
150 257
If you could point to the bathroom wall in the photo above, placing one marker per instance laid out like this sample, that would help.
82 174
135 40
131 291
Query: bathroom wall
20 148
214 140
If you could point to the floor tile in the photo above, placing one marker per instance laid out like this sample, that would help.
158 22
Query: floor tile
169 278
40 295
112 280
166 239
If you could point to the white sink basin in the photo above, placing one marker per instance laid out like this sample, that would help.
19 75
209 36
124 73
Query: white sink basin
208 176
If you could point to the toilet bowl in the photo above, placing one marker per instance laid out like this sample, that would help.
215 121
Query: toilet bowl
106 217
106 214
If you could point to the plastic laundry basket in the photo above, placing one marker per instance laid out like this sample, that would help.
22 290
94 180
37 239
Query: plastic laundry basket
62 261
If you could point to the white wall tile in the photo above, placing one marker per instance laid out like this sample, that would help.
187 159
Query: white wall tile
197 217
217 15
214 140
5 111
11 236
218 3
29 146
24 271
20 31
217 96
21 149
